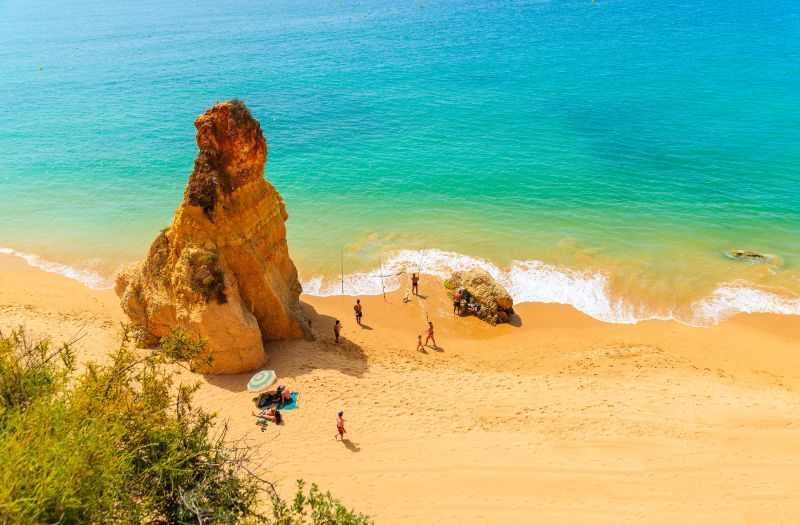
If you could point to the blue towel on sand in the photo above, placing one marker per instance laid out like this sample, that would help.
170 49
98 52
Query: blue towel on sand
291 405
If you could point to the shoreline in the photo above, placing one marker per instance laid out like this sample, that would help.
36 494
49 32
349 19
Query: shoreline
527 281
562 416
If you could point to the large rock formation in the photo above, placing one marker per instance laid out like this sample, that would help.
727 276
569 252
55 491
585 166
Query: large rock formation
496 304
222 270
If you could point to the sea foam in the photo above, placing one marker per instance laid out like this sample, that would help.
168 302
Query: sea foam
538 282
527 282
91 279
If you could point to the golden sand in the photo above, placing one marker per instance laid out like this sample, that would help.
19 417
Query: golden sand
560 419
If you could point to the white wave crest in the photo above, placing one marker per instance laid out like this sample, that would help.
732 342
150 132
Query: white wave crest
89 278
537 282
730 300
526 281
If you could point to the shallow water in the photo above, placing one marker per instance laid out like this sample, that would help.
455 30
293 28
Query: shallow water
605 155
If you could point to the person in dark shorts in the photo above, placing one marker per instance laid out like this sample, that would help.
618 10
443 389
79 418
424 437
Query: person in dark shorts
359 311
457 303
337 328
414 284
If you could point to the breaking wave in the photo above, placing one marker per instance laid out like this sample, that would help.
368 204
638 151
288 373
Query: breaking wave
91 279
538 282
527 282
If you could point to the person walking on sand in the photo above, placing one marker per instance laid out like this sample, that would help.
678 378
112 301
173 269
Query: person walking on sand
420 346
358 309
414 284
337 328
429 333
340 431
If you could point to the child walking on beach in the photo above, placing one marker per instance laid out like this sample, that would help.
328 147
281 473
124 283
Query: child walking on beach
340 431
337 327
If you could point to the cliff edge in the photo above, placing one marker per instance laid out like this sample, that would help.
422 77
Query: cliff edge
222 269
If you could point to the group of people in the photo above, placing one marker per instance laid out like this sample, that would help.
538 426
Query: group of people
337 325
280 397
462 303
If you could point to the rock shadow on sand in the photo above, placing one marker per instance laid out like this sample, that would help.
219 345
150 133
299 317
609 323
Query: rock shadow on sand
298 357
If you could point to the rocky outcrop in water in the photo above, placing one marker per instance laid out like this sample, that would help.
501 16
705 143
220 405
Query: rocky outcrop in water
222 270
490 301
755 257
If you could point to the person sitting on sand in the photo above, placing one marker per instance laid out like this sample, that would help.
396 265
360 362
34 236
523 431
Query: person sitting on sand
457 303
337 328
284 396
359 311
429 333
414 284
270 415
340 431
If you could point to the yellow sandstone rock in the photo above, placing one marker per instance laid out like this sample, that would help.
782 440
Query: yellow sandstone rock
222 270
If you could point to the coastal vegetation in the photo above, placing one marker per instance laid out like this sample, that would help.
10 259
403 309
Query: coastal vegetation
123 442
206 275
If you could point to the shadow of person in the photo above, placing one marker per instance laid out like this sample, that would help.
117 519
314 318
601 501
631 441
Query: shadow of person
436 348
365 326
352 447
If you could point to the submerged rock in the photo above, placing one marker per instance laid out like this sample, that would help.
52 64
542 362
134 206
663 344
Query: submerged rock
753 256
496 304
222 270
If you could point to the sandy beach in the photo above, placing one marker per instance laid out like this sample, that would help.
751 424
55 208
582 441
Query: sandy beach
557 418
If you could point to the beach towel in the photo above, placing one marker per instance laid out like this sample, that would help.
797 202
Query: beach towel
291 404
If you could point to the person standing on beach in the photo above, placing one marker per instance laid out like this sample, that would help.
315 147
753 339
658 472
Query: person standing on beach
414 284
358 309
340 431
429 333
337 327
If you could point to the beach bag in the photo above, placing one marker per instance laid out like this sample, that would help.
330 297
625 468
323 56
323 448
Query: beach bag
264 400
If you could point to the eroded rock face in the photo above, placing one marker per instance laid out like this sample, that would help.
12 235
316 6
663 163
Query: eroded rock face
222 270
496 304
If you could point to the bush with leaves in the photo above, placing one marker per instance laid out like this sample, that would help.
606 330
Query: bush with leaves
315 508
121 443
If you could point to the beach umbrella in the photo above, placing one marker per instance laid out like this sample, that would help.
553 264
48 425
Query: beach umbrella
261 381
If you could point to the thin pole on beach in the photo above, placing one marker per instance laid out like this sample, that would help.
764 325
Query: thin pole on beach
380 265
342 274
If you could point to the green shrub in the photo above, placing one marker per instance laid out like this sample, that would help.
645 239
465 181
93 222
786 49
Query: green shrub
121 443
315 508
206 276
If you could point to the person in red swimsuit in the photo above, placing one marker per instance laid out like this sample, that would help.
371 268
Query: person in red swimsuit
429 336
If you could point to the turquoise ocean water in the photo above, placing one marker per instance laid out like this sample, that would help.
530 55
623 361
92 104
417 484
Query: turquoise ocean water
602 154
